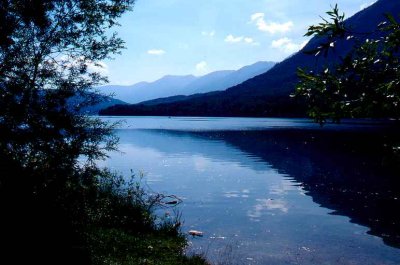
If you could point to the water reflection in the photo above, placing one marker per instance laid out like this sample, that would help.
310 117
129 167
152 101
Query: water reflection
268 204
260 191
341 171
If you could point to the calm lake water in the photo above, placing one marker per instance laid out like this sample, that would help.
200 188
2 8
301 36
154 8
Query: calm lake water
272 191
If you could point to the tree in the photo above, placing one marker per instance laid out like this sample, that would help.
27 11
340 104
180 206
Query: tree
366 82
48 148
57 206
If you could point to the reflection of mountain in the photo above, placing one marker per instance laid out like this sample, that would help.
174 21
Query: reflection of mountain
340 170
208 145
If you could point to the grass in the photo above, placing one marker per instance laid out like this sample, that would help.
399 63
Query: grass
114 246
127 231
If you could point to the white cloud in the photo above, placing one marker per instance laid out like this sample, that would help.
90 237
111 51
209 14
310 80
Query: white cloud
232 39
248 40
69 61
257 16
365 5
99 67
271 27
201 67
208 33
156 52
287 45
251 41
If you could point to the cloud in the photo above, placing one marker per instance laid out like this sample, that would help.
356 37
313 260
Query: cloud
99 67
232 39
251 41
365 5
208 33
287 45
248 40
271 27
257 16
156 52
70 61
201 67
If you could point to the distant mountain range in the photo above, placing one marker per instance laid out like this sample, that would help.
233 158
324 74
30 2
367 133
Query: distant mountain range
171 86
106 103
266 94
94 109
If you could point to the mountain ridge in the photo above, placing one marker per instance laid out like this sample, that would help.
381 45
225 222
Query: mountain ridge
267 94
175 85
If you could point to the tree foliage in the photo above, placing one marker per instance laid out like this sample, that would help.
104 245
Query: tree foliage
47 52
366 82
57 205
50 52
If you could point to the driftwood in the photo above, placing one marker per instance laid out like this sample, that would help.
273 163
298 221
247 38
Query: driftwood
195 233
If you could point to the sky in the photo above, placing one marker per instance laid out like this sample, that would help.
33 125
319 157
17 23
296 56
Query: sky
182 37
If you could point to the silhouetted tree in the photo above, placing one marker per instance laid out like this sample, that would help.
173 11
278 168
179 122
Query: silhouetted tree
49 53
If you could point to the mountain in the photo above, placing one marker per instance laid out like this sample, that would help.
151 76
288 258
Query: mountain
210 82
171 86
94 110
222 80
106 103
249 71
267 94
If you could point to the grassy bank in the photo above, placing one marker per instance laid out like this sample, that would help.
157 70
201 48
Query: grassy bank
129 232
115 246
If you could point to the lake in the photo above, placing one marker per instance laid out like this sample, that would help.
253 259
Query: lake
272 191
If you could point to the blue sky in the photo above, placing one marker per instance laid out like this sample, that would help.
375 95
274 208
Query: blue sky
180 37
